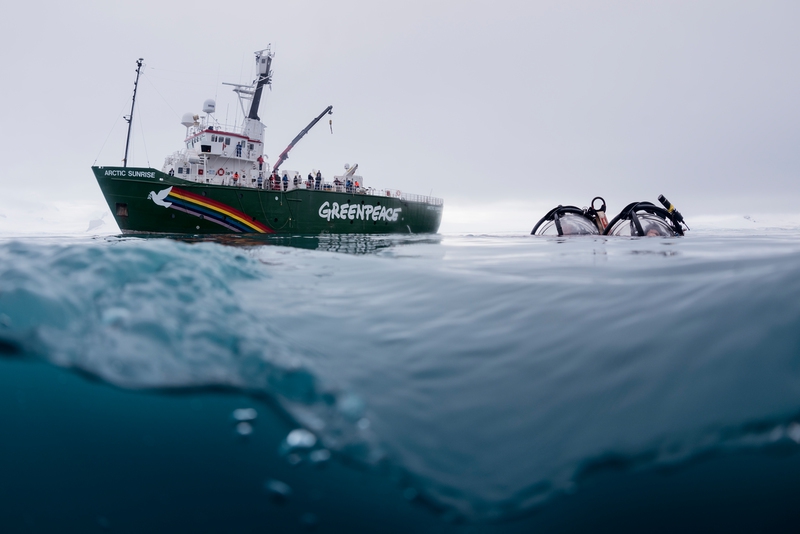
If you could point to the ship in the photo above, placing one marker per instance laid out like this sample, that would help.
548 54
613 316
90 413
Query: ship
221 182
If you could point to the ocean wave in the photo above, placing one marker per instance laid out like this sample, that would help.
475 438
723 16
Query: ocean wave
489 374
158 314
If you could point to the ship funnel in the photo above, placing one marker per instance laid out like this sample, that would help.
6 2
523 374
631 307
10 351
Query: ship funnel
209 106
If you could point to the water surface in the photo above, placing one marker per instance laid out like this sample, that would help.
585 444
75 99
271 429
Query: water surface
488 378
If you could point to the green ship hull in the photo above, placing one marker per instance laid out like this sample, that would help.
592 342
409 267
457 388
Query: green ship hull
145 200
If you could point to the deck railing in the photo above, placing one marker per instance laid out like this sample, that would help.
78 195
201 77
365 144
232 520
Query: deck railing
410 197
323 185
341 188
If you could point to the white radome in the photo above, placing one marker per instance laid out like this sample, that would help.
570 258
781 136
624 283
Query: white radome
187 119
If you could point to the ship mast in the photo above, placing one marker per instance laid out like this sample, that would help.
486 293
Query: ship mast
129 118
263 64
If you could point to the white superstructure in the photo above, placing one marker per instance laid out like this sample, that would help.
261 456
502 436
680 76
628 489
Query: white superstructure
227 155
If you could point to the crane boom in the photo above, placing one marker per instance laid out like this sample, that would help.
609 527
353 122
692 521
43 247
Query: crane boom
285 154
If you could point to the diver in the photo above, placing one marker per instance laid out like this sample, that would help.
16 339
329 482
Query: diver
644 219
571 220
638 219
653 230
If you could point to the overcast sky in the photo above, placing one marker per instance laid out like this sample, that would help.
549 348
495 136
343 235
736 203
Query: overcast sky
529 103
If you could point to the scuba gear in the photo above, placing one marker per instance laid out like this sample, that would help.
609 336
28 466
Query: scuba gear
598 215
565 220
645 219
571 220
675 215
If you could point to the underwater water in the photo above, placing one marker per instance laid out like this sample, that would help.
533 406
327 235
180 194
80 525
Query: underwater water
456 383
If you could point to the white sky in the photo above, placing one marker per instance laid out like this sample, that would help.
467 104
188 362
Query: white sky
524 104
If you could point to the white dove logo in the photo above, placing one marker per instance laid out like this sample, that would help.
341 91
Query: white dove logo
159 197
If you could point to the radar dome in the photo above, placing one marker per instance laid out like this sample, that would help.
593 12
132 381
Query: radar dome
187 119
209 106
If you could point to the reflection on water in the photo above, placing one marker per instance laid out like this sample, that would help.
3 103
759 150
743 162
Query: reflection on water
345 243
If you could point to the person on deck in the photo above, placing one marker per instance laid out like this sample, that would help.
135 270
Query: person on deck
309 181
317 180
285 181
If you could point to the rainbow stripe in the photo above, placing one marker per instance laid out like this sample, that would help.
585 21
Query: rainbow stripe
214 211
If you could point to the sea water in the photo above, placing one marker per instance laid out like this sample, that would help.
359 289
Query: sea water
466 383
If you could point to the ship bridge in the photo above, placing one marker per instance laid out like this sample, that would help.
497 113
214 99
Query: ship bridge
225 144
